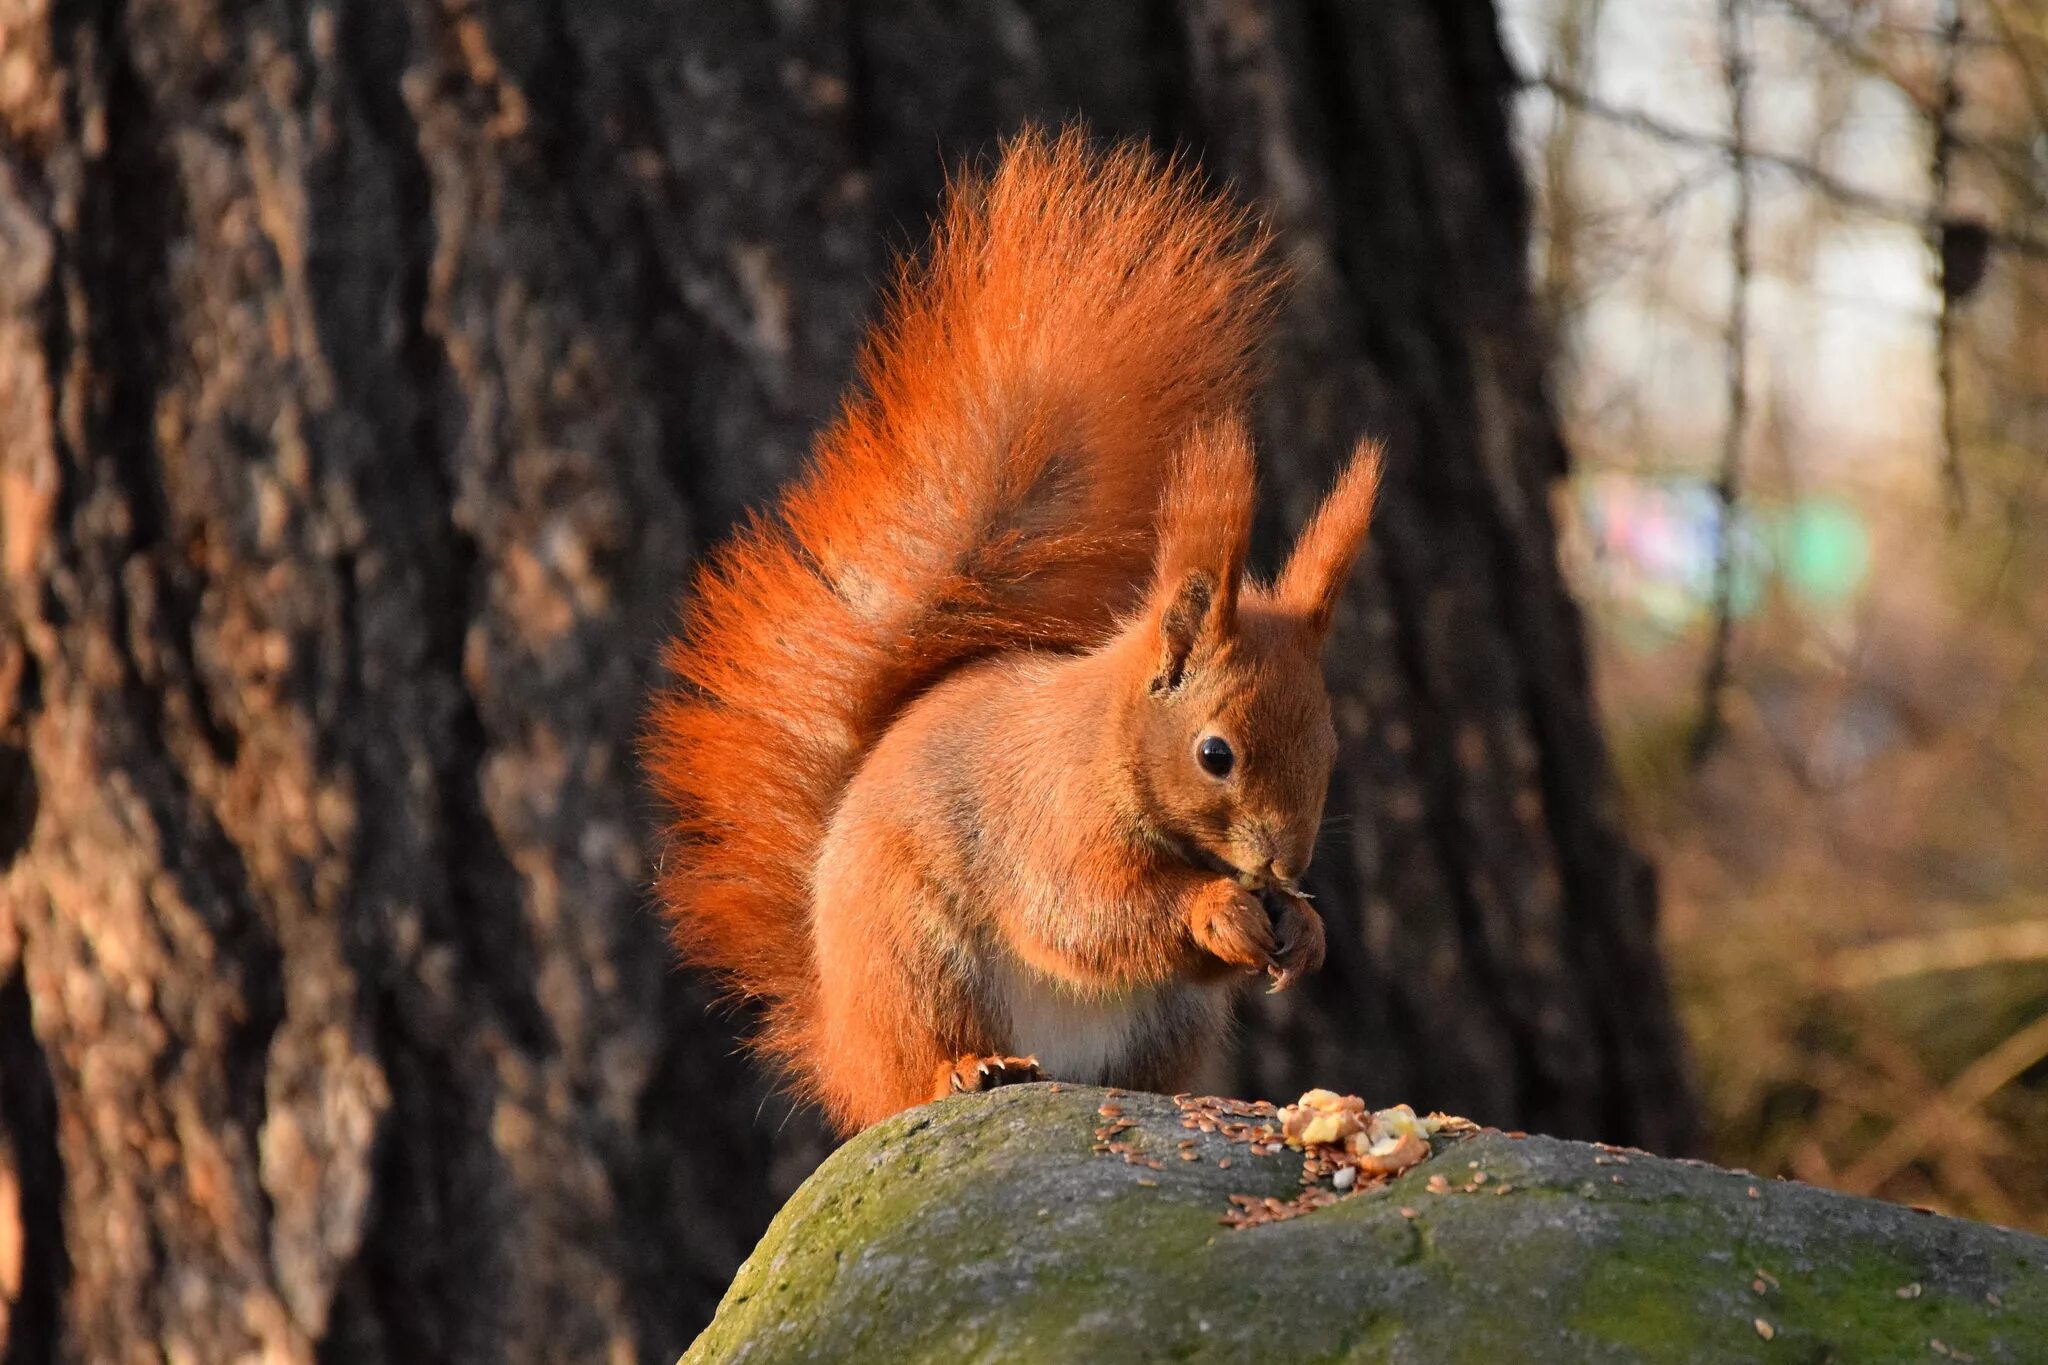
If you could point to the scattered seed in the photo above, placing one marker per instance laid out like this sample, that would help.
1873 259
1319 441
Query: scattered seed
1110 1111
1753 1193
1407 1212
1328 1175
1148 1182
1994 1300
1767 1277
1438 1185
1764 1329
1479 1179
1908 1291
1614 1179
1186 1155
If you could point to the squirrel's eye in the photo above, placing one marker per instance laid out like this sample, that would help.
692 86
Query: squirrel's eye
1215 755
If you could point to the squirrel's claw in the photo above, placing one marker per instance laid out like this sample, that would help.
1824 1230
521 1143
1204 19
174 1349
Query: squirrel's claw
973 1074
1299 932
1230 924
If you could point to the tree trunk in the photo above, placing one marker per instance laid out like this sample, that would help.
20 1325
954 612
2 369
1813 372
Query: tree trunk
369 374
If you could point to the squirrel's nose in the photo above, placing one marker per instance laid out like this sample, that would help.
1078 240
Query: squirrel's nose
1272 846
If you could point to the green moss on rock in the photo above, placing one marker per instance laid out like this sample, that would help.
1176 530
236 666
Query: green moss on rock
983 1228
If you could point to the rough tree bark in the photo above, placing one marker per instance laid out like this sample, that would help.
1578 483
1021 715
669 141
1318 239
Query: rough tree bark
369 372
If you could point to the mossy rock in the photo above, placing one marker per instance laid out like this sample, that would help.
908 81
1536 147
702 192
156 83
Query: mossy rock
985 1228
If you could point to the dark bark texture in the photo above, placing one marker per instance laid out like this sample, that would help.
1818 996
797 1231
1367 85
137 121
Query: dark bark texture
370 372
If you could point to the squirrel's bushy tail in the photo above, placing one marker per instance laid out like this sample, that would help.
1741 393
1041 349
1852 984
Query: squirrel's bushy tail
992 483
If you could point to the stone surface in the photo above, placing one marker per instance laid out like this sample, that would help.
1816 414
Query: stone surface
986 1228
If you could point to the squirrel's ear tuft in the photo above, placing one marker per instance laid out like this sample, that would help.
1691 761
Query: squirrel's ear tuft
1184 627
1328 546
1205 525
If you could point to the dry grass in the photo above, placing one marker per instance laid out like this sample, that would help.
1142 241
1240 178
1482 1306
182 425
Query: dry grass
1861 956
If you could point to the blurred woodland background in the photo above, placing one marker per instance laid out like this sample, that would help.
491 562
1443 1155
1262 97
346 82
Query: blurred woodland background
1794 259
371 372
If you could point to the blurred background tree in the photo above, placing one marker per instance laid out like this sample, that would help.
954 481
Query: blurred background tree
1795 256
370 373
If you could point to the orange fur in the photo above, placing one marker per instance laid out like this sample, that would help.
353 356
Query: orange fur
926 773
1314 574
1205 520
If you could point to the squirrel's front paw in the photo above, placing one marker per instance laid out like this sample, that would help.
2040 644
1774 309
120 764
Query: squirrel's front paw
975 1073
1228 923
1299 930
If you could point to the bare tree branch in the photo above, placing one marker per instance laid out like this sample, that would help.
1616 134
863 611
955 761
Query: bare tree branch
1821 181
2014 165
1947 102
1735 340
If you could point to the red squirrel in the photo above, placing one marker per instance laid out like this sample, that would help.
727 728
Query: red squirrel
986 758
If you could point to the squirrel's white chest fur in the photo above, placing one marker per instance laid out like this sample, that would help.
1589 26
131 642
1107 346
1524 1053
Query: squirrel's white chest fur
1075 1036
